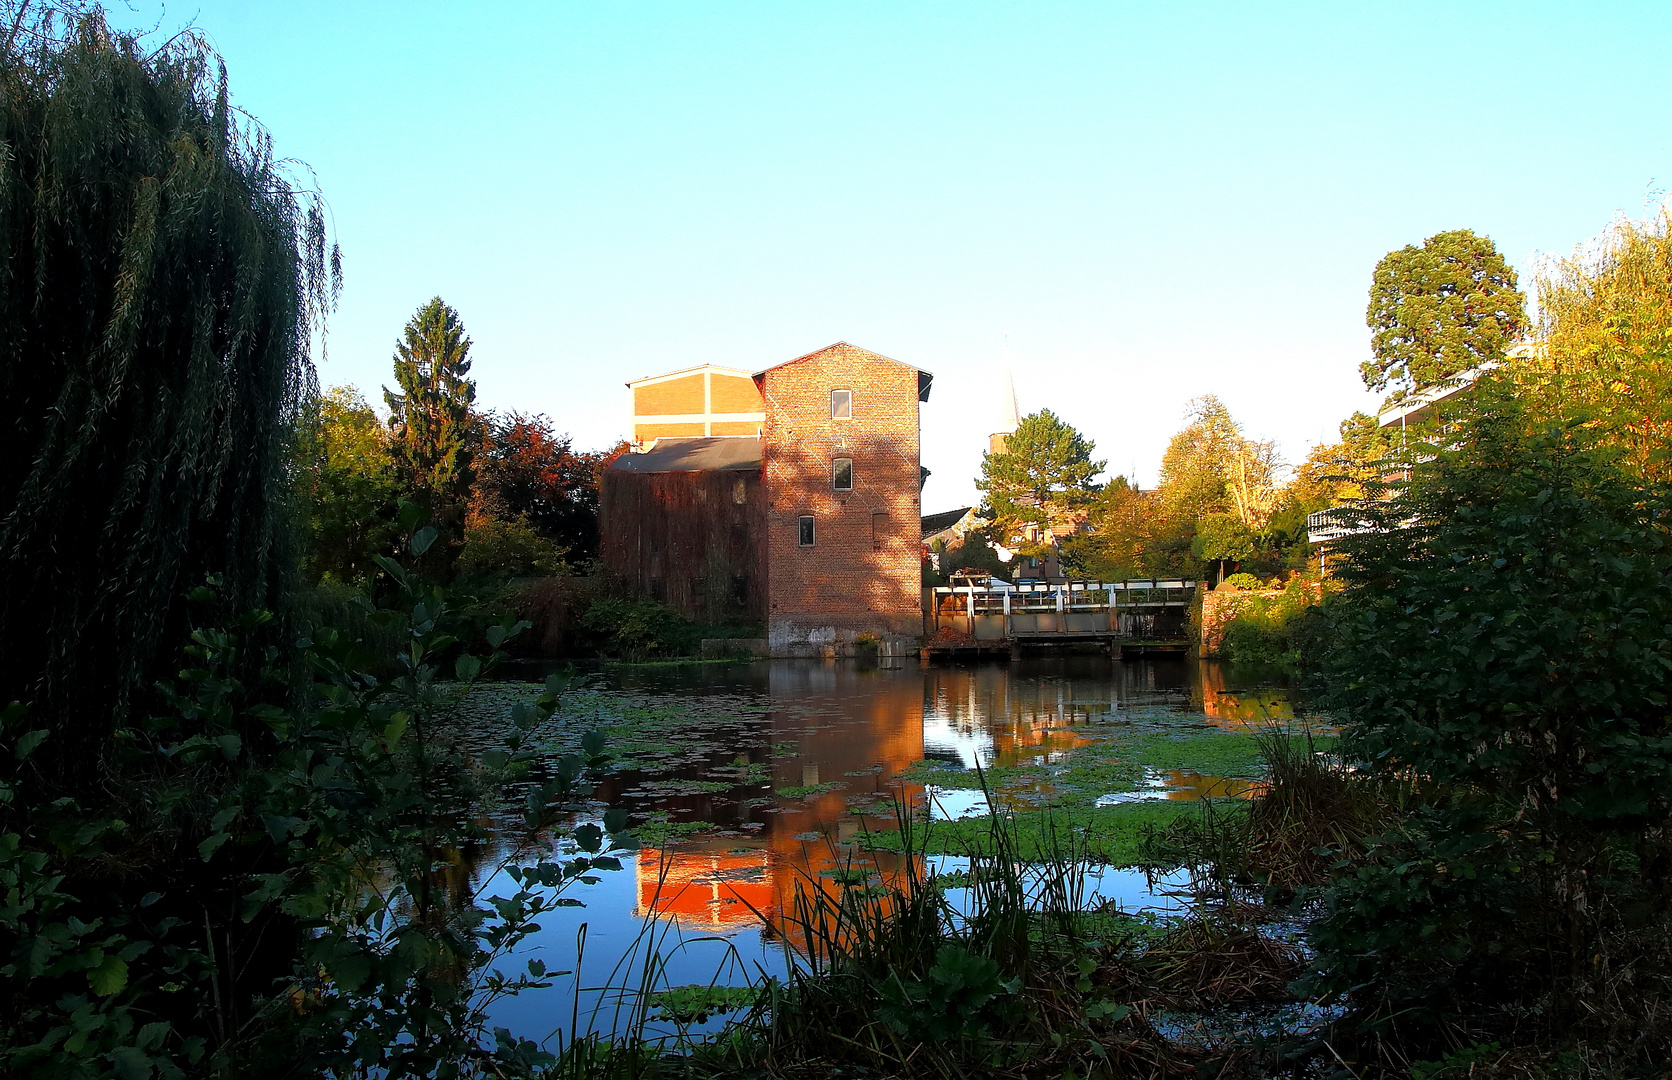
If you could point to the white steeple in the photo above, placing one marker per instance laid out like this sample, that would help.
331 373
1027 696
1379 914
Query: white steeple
1009 416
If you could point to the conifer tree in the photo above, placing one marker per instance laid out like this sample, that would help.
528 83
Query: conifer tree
1045 471
1440 310
431 419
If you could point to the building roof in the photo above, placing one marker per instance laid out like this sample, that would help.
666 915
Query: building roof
724 453
934 523
924 378
647 380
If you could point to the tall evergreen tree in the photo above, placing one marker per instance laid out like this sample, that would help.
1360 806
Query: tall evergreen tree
1045 472
435 429
160 279
1439 310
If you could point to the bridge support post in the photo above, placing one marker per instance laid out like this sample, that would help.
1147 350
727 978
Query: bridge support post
1116 652
1015 649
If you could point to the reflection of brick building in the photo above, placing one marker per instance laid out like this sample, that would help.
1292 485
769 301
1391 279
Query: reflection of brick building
806 519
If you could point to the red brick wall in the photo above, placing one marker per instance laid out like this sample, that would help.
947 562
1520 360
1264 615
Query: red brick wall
848 582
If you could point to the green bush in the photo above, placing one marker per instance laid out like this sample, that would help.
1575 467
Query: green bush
1501 649
1265 629
637 629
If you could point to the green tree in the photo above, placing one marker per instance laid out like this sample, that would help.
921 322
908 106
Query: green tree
1211 467
435 431
348 483
1223 539
1604 352
1439 310
160 280
1044 475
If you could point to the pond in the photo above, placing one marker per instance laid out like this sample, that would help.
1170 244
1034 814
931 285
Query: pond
747 782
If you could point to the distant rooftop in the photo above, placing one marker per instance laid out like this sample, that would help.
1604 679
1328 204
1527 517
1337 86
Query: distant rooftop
934 523
697 454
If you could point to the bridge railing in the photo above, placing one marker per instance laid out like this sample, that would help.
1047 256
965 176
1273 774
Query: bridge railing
1067 608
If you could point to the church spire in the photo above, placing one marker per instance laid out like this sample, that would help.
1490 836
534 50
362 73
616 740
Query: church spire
1009 414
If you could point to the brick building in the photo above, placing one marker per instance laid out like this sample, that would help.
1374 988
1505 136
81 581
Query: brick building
811 525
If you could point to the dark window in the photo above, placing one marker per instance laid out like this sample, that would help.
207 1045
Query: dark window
841 404
841 474
806 523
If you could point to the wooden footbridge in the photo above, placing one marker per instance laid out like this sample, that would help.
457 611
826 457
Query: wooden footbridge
1127 617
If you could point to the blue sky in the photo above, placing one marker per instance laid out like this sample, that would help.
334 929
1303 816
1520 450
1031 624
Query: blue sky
1147 202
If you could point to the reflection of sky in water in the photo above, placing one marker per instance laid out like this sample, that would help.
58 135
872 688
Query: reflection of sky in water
811 724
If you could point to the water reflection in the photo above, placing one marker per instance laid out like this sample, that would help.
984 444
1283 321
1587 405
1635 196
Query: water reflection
806 758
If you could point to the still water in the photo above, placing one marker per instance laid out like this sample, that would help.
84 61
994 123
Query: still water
758 780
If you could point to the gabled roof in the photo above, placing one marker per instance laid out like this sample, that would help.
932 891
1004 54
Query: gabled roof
934 523
924 378
724 453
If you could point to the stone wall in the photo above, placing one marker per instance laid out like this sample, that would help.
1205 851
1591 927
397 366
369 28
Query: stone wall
1219 607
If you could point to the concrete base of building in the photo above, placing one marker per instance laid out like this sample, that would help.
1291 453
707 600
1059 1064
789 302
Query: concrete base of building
798 641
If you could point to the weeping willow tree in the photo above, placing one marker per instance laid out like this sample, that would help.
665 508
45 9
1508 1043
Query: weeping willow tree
161 280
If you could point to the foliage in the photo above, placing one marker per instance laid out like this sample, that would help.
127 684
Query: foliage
436 433
1501 646
974 553
1348 470
347 487
507 548
637 629
1222 538
1212 467
1604 352
160 277
1131 536
301 870
1270 629
1440 310
525 470
1044 475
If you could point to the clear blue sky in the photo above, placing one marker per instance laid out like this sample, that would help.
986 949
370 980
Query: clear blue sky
1154 201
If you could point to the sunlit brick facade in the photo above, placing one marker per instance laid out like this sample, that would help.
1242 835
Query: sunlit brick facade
822 543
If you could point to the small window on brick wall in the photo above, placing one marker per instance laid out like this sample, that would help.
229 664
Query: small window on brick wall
841 404
841 474
879 529
805 523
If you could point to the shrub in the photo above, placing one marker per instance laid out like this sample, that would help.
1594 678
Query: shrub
1502 648
637 629
1265 629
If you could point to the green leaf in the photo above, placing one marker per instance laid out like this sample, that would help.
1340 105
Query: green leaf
422 539
390 567
110 976
27 742
207 849
411 514
230 744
